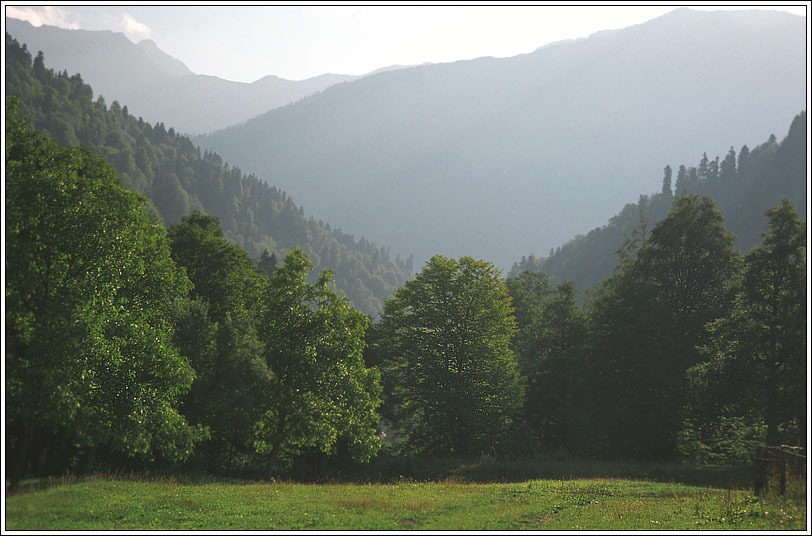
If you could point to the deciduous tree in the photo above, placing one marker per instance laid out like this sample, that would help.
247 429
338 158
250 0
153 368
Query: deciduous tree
219 333
322 391
448 333
549 344
90 290
647 321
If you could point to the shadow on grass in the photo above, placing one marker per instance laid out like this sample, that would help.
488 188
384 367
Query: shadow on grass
38 484
391 469
162 477
485 470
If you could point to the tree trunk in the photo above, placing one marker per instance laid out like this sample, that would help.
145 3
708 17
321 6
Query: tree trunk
39 462
772 391
90 460
772 417
17 469
273 456
321 466
277 445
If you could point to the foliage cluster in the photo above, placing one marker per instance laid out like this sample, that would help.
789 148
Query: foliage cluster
90 294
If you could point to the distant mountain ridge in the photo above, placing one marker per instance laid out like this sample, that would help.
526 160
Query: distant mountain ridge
497 157
157 86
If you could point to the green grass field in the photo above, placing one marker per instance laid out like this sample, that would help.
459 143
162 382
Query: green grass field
102 503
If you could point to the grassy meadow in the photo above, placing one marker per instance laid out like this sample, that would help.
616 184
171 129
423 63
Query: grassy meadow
456 502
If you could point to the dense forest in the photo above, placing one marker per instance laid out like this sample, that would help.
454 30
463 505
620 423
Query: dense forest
178 179
133 345
744 185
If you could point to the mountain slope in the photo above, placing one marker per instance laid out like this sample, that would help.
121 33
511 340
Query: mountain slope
497 157
177 178
156 86
744 186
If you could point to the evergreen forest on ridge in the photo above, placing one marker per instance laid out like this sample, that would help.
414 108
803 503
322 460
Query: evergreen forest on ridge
167 313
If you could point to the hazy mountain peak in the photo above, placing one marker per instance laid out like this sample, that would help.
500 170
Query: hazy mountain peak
561 42
163 61
686 15
268 78
13 25
148 44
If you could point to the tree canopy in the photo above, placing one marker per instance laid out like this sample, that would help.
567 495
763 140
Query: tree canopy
752 386
449 332
218 328
647 320
550 343
90 292
322 392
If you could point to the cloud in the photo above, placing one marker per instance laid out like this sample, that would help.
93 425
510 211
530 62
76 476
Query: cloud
126 23
133 29
50 15
64 18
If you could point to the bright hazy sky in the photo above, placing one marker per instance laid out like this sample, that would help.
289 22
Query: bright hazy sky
296 42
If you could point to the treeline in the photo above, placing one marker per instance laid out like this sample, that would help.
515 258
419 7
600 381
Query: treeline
178 179
743 185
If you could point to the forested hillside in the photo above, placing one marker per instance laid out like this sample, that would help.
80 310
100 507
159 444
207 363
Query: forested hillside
178 179
744 185
498 157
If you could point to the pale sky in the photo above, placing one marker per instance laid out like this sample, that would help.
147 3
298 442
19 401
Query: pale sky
248 42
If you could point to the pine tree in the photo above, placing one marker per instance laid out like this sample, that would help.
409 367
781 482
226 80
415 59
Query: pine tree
268 263
667 181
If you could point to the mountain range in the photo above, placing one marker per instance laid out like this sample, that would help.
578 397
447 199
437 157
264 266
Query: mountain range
160 87
499 158
494 158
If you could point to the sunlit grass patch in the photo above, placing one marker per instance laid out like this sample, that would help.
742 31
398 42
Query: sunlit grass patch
573 504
